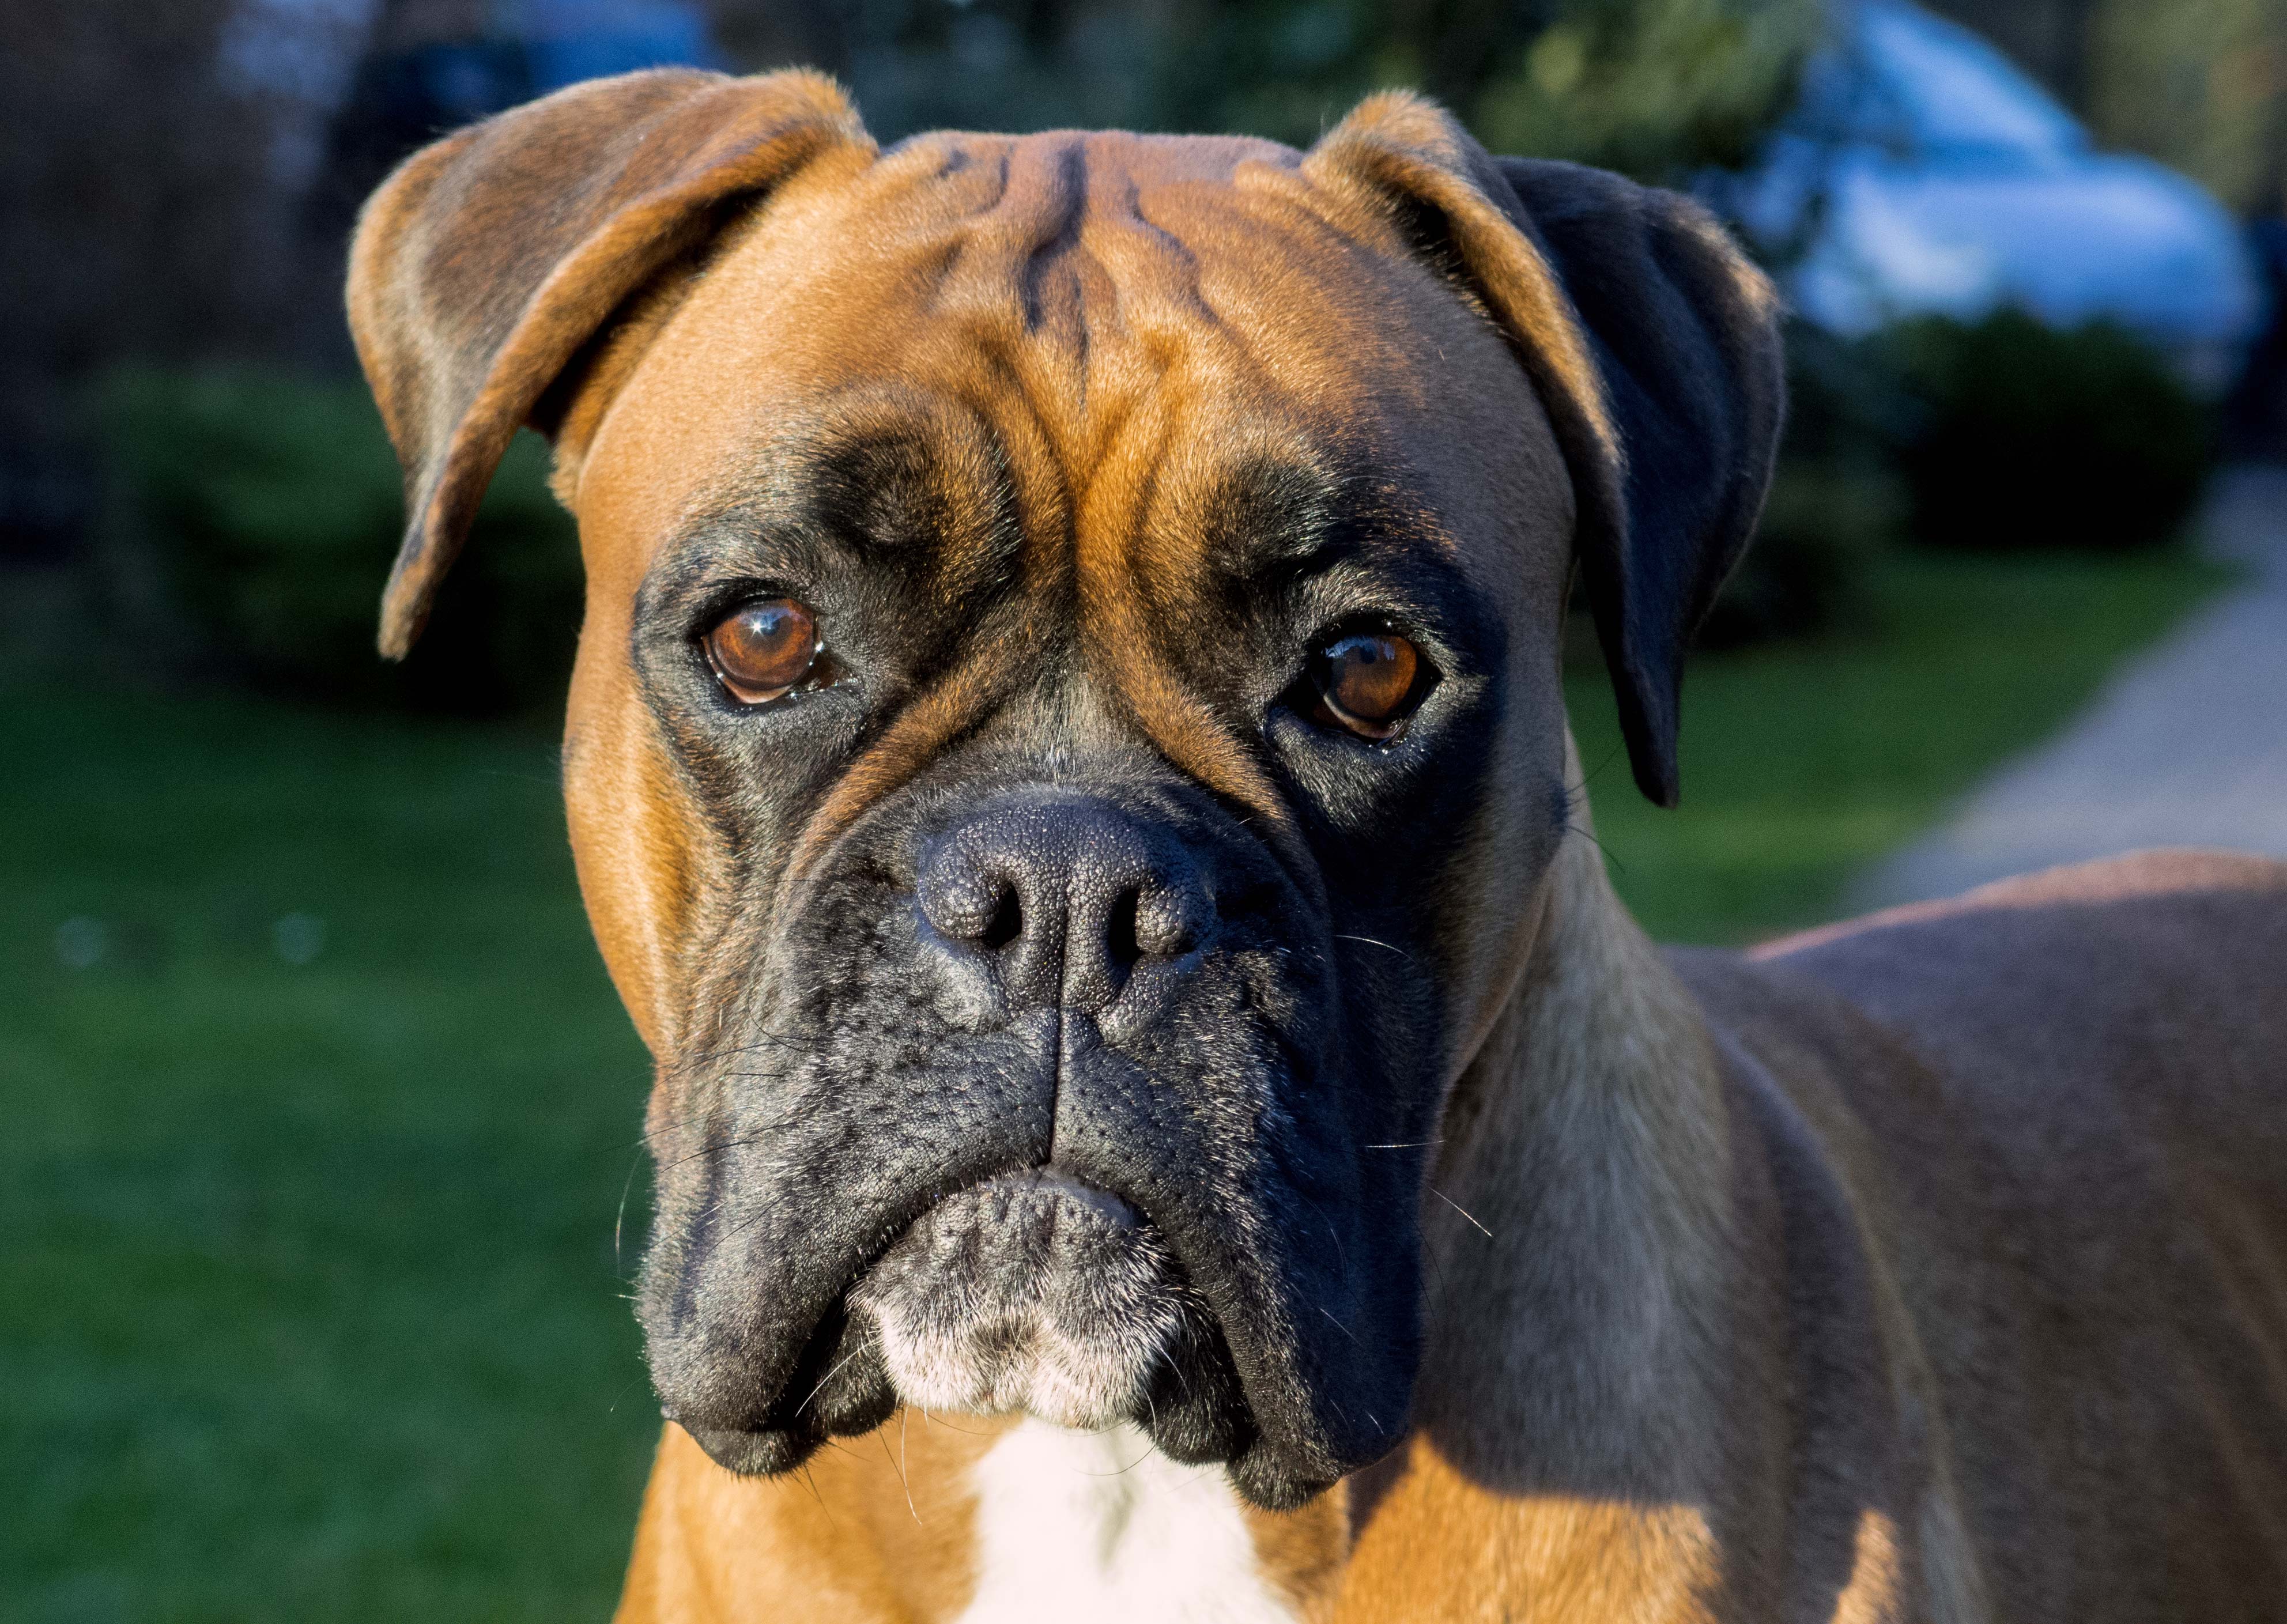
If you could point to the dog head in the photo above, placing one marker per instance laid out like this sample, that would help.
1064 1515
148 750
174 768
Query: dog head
1067 735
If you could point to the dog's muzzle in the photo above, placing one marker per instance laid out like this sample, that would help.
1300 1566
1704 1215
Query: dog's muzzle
1033 1293
1050 1116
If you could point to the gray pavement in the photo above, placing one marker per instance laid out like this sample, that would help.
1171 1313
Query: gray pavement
2185 745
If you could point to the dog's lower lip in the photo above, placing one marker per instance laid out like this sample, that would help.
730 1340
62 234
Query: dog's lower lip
1114 1208
845 1382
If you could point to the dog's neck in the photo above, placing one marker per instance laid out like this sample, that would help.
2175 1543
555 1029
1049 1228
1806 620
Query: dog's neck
1581 1231
1578 1223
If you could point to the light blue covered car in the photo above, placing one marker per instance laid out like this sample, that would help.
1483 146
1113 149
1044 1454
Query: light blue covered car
1921 172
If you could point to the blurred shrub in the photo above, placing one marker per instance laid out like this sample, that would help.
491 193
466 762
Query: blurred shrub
1836 501
266 510
1657 87
1825 526
2025 436
2000 435
1648 87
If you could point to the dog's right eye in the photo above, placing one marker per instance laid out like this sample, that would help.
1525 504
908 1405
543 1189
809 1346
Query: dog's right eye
765 649
1368 683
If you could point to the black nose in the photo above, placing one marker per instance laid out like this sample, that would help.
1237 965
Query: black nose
1067 892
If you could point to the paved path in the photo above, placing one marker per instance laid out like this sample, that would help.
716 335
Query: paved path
2186 745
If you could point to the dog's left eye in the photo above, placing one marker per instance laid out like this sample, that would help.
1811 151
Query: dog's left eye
1368 683
764 650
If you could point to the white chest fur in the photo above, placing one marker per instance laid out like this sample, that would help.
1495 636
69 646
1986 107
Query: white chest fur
1100 1527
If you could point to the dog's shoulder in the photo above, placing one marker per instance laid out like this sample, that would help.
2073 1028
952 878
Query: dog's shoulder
2143 975
2087 1036
2128 947
2084 1037
2061 1103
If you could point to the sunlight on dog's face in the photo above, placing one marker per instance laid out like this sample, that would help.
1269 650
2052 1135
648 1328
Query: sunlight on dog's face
1034 793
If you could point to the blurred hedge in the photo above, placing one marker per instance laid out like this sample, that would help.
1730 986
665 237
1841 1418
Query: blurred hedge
2017 435
1837 501
1654 88
266 510
1999 435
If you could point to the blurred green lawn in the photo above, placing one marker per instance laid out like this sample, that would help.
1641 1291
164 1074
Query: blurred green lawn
312 1306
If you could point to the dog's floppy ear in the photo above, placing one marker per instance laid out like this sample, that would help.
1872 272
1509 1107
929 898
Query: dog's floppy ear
483 268
1654 344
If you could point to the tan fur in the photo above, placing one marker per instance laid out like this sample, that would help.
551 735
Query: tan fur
878 1529
1397 146
1530 1560
1933 1268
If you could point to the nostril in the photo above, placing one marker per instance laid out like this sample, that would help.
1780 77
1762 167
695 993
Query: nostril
1120 943
1007 922
967 902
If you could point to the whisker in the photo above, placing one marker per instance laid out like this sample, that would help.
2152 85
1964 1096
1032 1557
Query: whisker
897 1467
823 1380
1589 777
1464 1211
1590 836
619 1220
1373 942
928 1419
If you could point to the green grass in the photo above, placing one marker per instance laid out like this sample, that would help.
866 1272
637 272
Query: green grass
311 1308
311 1305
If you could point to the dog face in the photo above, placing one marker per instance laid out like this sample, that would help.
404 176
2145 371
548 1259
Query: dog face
1055 856
1067 730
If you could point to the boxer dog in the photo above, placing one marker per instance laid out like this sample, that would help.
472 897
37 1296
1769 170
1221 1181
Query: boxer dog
1159 1113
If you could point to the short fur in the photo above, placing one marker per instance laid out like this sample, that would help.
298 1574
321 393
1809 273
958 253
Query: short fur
1049 1014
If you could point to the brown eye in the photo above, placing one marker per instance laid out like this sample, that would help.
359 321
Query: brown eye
1369 682
761 650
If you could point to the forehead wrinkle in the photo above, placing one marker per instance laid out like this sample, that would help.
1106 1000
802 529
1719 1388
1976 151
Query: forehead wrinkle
1074 270
1006 272
1040 496
1064 273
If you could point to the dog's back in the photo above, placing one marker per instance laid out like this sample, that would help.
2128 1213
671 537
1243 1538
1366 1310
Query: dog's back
2059 1108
